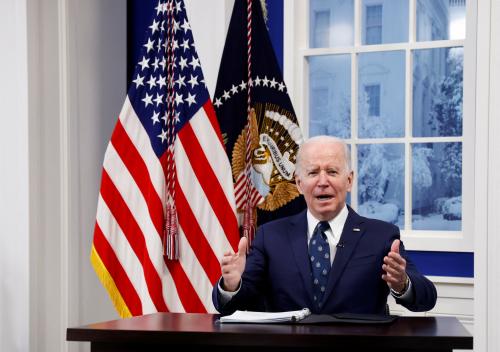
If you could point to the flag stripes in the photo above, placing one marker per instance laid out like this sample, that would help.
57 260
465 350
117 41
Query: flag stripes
128 252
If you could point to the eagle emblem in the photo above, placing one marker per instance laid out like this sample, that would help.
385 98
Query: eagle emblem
275 139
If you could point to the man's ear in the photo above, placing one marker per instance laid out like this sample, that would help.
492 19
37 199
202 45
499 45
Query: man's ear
297 182
350 179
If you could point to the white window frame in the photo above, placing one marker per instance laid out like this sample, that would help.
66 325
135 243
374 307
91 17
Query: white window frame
296 52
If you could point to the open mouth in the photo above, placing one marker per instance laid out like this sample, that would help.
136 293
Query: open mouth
324 197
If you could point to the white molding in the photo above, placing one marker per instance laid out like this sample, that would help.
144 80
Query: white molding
481 226
493 241
64 169
455 298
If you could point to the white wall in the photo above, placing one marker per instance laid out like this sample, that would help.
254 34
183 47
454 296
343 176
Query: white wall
14 181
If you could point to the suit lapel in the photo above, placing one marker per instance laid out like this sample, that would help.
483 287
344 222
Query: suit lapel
297 234
351 234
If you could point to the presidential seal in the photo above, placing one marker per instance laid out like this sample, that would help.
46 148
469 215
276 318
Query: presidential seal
275 139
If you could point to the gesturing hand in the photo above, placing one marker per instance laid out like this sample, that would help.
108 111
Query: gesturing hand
232 266
395 268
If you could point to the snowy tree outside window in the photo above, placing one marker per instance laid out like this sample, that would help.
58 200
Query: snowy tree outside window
404 123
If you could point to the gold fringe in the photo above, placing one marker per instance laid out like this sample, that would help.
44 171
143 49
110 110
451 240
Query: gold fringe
109 284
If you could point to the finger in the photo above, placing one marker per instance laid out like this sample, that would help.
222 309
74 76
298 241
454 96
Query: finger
227 260
242 246
393 271
395 259
395 246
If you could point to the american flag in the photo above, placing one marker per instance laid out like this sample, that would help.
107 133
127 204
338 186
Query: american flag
152 130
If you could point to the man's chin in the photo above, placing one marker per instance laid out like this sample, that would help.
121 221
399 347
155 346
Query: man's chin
326 213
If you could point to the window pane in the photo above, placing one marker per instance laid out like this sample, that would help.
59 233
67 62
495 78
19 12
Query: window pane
331 23
381 182
440 19
437 186
437 92
384 21
381 94
330 95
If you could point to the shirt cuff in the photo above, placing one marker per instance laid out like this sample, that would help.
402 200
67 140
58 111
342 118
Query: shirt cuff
406 296
226 296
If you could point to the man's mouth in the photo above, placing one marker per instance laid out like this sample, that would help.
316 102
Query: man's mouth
324 197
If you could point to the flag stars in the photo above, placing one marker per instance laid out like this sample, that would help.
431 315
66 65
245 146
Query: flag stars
185 44
155 64
159 99
178 99
159 8
217 102
176 26
154 27
139 81
149 45
281 87
234 89
243 85
273 83
152 82
163 135
183 63
257 81
265 82
161 81
177 117
178 7
159 45
226 95
193 81
163 63
190 99
155 118
144 63
195 62
186 26
175 45
180 81
148 99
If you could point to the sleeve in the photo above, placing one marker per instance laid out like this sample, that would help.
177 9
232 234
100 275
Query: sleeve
422 289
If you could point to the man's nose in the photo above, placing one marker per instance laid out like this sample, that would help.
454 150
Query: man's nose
322 178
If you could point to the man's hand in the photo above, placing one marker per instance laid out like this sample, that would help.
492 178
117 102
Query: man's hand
233 265
395 268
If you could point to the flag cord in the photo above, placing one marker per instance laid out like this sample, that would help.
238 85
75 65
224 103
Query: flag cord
171 238
248 217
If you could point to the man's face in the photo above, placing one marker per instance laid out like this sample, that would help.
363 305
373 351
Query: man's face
323 178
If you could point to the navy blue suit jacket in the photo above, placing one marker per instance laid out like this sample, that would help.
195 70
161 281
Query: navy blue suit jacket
277 274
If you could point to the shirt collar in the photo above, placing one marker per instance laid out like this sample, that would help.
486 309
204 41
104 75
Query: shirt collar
336 224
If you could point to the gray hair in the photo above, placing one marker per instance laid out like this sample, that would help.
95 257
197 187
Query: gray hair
324 139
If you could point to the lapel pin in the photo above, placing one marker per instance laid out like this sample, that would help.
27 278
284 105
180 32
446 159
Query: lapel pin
356 229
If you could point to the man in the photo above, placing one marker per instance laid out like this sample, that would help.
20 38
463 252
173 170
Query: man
328 258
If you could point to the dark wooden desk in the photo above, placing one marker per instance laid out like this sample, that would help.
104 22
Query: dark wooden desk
190 332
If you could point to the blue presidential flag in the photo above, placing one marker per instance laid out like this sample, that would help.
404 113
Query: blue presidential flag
250 83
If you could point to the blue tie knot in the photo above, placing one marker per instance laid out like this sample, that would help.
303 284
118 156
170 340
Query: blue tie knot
323 226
